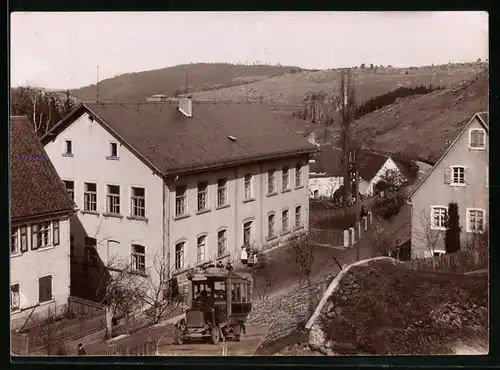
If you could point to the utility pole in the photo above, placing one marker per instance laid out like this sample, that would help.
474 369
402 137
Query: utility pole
97 86
358 205
186 82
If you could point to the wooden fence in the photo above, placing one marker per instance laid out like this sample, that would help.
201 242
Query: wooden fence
84 307
459 262
328 237
47 336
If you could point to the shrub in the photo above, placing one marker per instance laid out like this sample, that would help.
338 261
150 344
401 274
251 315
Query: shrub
388 208
452 234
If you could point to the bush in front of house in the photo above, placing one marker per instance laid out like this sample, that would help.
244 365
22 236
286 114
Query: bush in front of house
452 234
387 208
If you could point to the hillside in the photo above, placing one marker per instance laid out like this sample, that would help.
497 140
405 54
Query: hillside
137 86
424 125
290 89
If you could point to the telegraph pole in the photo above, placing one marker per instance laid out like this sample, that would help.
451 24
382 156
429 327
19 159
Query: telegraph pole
358 205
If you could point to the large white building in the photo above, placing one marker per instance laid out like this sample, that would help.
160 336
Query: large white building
40 230
187 183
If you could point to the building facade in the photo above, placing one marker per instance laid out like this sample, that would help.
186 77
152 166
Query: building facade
157 181
40 230
460 176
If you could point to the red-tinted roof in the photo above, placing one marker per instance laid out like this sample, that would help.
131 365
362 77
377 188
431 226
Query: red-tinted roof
36 188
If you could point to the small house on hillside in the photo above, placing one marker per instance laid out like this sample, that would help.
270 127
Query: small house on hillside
326 177
325 172
182 183
460 176
40 208
374 168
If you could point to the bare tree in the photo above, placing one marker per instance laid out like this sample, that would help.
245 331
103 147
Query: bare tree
392 182
266 282
161 294
384 241
426 234
344 103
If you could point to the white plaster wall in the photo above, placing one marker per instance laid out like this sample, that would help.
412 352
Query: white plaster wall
435 192
388 165
326 186
28 267
91 146
238 212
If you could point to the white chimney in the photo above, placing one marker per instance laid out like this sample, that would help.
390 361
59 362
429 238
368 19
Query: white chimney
186 106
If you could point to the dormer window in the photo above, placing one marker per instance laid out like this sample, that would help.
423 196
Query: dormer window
68 148
477 139
113 151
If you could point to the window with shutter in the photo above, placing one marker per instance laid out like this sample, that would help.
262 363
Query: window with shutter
45 289
447 175
34 236
55 226
24 238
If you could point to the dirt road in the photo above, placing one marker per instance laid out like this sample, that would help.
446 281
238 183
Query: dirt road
246 347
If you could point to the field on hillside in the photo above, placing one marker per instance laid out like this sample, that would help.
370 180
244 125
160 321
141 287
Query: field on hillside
412 312
425 125
290 89
133 87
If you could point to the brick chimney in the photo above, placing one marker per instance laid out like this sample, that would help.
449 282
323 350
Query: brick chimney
186 106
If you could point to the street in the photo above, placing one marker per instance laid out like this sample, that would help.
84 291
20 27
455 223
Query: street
246 347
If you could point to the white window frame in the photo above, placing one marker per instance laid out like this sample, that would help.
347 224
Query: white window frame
452 178
202 196
43 234
138 259
201 256
137 202
271 226
483 131
91 256
179 254
222 192
249 228
15 241
285 178
434 208
285 221
113 201
111 156
65 149
51 288
181 204
247 185
298 176
221 251
89 198
271 181
71 192
15 308
469 229
298 217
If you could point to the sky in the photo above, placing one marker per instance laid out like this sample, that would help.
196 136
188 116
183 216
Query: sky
63 50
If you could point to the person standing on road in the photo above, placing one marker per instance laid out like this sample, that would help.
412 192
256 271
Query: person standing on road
81 350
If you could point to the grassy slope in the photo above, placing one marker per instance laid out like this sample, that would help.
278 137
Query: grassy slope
290 89
411 313
425 125
201 76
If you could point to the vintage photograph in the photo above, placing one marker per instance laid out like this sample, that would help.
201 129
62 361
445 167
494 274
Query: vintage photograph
249 183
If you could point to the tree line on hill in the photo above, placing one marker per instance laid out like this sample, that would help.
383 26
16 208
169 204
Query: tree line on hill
44 108
316 104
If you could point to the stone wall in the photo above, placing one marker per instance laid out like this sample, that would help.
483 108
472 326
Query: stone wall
288 312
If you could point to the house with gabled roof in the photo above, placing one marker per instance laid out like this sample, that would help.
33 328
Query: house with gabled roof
40 209
326 175
188 182
460 176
